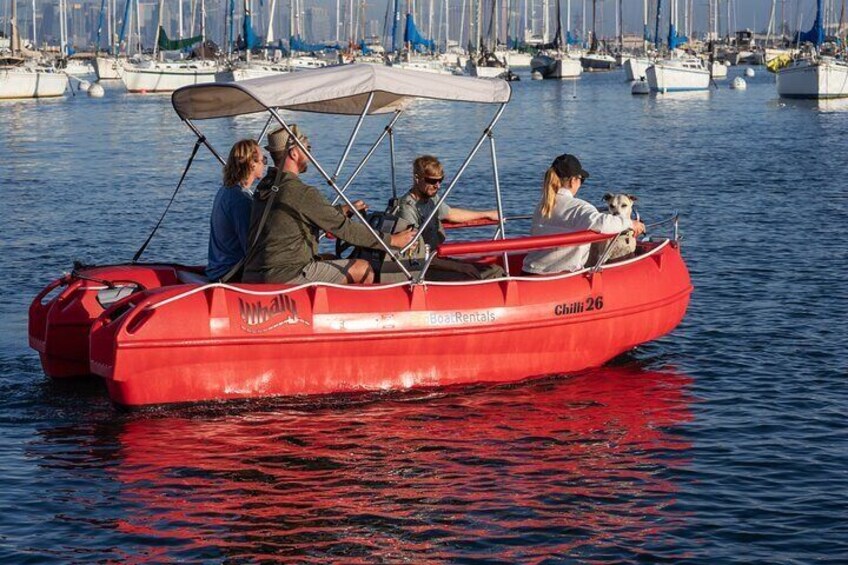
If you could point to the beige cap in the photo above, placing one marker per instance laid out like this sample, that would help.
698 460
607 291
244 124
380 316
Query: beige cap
280 140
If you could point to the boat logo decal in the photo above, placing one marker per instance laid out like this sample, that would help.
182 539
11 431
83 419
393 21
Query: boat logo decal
257 317
457 318
580 306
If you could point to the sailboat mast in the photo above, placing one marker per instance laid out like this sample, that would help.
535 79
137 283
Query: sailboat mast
157 53
620 24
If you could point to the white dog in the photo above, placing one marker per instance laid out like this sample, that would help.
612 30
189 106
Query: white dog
624 246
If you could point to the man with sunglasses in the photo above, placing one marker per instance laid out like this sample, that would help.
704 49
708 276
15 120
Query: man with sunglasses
286 228
417 205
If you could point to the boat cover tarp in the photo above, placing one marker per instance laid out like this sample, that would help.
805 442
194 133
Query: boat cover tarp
166 44
249 36
297 44
816 33
340 89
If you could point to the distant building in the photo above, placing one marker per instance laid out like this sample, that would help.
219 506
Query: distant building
317 26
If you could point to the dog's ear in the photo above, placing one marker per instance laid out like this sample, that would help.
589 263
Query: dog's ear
608 196
632 197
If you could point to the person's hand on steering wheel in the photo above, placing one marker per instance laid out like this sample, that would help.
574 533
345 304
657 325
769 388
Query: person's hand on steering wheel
402 239
359 205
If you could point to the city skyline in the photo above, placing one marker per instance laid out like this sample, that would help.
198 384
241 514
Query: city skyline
319 17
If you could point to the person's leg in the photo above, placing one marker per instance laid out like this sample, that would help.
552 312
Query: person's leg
338 271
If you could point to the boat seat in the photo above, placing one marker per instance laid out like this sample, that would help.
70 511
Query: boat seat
190 277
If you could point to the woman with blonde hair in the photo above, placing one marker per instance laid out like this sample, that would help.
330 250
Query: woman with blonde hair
230 221
560 211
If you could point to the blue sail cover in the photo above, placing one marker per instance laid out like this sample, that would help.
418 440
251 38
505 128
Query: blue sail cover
412 36
570 39
816 34
250 39
674 39
297 44
657 28
646 33
364 48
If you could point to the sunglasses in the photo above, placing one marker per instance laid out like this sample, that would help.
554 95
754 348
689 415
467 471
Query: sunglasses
434 180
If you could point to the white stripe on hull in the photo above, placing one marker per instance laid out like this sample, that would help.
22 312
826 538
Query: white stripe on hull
30 83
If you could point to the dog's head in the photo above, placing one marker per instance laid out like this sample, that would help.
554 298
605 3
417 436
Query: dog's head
620 204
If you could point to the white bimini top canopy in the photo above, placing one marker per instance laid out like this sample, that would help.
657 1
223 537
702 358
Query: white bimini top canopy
341 89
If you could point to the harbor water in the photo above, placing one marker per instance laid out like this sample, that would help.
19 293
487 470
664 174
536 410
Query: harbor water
725 441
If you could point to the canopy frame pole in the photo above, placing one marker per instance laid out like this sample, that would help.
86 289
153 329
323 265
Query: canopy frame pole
265 129
392 161
459 173
353 135
343 196
501 222
368 155
205 141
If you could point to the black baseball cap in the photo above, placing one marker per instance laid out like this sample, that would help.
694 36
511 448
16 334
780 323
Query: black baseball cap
567 166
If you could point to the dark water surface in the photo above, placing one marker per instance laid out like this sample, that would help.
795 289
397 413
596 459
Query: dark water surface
725 441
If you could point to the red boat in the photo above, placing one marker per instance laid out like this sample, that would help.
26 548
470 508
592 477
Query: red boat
161 334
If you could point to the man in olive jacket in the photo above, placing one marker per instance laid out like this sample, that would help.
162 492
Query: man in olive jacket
287 248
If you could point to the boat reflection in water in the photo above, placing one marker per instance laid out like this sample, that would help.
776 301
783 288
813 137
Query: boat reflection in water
536 469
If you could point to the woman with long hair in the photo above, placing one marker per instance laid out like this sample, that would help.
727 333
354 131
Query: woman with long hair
230 221
560 211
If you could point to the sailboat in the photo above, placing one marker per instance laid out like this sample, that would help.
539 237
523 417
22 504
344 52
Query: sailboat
677 74
157 75
252 68
107 65
20 78
635 68
556 64
484 63
813 75
594 60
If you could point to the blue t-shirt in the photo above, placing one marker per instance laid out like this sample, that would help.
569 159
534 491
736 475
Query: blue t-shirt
228 231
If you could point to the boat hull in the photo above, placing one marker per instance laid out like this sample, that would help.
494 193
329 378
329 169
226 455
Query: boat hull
108 68
635 68
557 68
23 82
60 317
189 343
597 63
169 78
813 80
669 78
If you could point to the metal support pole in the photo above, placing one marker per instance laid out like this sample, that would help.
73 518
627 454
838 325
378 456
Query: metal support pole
344 197
392 160
205 141
353 135
453 182
265 129
368 155
502 228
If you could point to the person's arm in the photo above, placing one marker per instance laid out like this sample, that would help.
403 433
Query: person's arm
460 215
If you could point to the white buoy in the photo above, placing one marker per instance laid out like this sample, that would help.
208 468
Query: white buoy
640 87
83 86
536 75
749 72
739 84
96 91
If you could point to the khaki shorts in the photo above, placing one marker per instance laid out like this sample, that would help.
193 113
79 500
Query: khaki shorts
332 271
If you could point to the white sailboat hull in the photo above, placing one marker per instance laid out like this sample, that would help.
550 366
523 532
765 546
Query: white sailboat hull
635 69
167 77
257 70
559 67
481 71
22 82
669 77
719 70
810 79
108 68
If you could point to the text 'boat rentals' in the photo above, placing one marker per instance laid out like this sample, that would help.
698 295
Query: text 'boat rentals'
159 333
